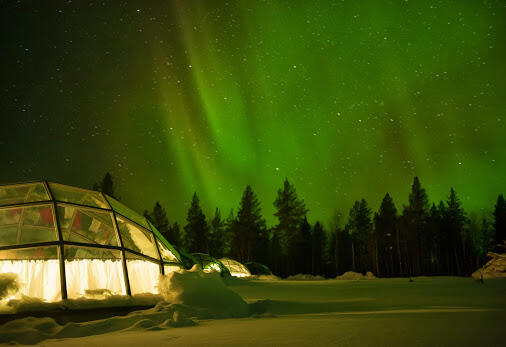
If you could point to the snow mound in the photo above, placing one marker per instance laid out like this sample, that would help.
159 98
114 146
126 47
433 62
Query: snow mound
189 296
8 285
350 275
305 277
494 268
203 291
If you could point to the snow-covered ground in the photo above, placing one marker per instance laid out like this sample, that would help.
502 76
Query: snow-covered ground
438 311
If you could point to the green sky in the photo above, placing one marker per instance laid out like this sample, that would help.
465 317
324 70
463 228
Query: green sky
348 99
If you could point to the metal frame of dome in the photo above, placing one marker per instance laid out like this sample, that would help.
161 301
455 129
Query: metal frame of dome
111 207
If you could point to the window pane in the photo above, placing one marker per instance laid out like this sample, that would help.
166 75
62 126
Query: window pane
38 270
87 225
93 272
127 212
168 252
19 193
77 195
167 255
143 275
136 238
29 224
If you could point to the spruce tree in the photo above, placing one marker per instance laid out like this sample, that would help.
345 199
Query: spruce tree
385 222
217 235
250 229
359 227
500 220
318 249
196 229
107 186
174 235
454 221
414 218
290 213
159 219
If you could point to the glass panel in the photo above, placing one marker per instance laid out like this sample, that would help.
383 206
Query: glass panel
143 274
136 238
168 268
93 272
77 195
29 224
167 255
87 225
168 252
38 271
19 193
127 212
235 268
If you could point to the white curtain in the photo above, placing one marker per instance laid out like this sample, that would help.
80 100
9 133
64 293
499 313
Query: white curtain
38 278
103 277
143 276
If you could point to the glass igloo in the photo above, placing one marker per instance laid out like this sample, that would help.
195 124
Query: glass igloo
67 242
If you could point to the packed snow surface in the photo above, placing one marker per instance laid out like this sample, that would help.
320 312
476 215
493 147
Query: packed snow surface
305 277
494 268
443 311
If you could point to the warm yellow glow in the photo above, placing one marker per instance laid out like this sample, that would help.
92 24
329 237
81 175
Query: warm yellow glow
94 278
37 278
212 267
143 276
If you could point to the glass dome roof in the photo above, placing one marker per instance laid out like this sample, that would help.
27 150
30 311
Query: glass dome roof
69 242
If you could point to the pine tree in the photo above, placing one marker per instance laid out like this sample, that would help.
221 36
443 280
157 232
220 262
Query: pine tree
290 213
414 218
250 229
229 232
318 249
106 185
454 221
174 235
304 248
217 236
500 220
159 219
196 229
359 227
385 222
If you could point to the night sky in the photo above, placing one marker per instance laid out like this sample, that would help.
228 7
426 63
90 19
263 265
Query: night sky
348 99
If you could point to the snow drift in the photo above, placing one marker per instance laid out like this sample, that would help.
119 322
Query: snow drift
305 277
8 285
494 268
189 296
204 291
350 275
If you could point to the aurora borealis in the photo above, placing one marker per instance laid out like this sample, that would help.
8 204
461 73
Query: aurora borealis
348 99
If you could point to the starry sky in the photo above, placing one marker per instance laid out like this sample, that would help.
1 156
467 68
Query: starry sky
347 99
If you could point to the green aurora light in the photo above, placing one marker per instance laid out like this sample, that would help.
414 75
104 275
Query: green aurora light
347 99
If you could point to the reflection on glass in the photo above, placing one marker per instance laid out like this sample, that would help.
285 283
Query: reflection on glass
29 224
86 225
136 238
77 195
20 193
127 212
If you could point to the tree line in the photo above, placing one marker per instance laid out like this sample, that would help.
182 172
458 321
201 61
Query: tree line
421 238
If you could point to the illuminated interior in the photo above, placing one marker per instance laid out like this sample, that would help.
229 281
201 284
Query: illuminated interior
236 269
67 242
